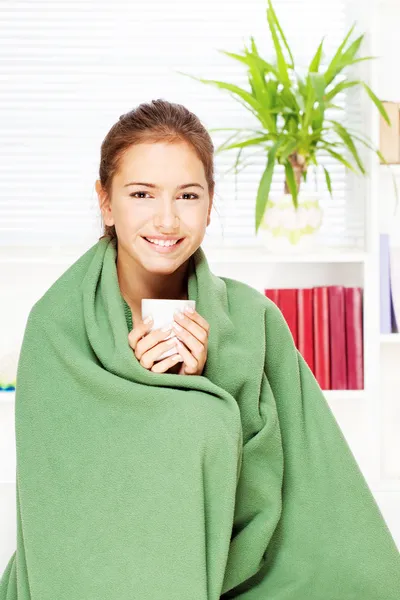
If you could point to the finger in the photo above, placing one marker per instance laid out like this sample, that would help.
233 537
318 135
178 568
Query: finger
198 319
138 332
151 340
183 321
192 343
148 358
189 360
165 364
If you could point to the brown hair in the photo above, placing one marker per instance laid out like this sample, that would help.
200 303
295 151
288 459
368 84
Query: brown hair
157 121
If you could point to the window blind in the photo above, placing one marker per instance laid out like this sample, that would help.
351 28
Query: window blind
70 68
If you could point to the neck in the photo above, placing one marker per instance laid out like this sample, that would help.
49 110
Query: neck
136 283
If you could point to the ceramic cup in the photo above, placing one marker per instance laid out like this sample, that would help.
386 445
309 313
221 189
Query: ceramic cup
162 310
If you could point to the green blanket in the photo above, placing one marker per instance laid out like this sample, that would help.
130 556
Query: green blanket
134 485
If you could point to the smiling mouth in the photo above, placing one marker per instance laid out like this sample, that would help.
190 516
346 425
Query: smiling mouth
161 248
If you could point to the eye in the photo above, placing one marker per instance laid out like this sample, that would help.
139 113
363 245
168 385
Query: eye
134 194
189 194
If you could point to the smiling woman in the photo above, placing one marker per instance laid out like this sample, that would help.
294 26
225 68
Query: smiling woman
156 183
235 482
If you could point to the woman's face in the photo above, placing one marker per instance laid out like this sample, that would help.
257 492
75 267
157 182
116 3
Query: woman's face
175 202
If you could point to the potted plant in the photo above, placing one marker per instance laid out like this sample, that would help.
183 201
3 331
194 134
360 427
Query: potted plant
296 130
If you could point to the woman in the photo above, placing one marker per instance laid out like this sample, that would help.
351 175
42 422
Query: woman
219 474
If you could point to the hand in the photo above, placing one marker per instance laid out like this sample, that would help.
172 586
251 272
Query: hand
192 331
149 345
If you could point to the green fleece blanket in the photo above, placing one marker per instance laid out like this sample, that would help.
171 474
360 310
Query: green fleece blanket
133 485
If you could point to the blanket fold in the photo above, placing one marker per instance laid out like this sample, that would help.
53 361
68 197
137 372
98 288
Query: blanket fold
137 485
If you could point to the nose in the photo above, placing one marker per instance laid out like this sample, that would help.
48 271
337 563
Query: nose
165 216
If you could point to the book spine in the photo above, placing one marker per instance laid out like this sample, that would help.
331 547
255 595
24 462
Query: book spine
384 281
287 302
272 294
394 265
354 338
321 336
337 327
305 326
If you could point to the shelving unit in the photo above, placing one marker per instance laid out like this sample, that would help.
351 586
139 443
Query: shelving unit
384 347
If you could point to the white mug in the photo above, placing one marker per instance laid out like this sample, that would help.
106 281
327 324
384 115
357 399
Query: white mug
162 310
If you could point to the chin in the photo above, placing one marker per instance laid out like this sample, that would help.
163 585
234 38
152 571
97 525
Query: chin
163 266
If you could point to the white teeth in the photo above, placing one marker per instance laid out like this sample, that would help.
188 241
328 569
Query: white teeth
163 242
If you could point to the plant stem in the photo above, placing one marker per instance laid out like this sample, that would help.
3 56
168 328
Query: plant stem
298 163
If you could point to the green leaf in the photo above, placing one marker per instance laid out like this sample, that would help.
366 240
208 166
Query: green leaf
340 87
339 158
348 56
377 102
310 98
278 26
316 61
345 136
250 59
379 154
249 142
357 60
287 149
335 62
328 181
291 181
246 96
265 185
318 84
212 129
280 59
222 146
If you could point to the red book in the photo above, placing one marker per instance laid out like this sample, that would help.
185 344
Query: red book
273 295
305 326
337 326
287 302
321 337
354 338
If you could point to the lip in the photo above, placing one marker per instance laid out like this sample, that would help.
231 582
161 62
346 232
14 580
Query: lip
163 249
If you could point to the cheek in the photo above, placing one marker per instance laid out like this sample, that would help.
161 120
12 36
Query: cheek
193 216
133 217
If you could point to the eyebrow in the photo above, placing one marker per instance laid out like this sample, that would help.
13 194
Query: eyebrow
152 185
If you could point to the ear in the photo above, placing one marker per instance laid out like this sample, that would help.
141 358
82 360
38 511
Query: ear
209 209
104 204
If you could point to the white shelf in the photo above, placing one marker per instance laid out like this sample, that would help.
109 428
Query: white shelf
246 255
386 485
393 167
41 255
261 255
390 338
343 395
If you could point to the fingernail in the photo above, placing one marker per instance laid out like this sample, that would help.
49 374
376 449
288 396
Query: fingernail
148 319
179 314
189 309
171 341
166 328
176 326
178 358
